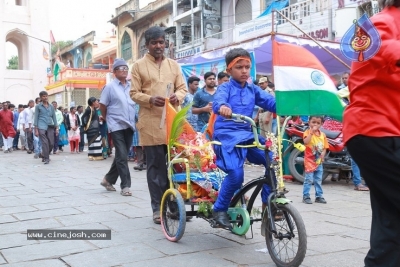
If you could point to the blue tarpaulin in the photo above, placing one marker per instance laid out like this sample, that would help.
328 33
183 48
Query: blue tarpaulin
278 5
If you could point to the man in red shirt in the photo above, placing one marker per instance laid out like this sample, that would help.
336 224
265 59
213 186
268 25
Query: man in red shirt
372 134
7 127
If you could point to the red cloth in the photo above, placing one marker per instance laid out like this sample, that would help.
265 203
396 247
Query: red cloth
6 123
332 125
374 84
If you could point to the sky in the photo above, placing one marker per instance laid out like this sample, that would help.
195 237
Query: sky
69 20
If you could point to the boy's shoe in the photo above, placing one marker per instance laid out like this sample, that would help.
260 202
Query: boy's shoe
221 219
139 167
36 156
307 200
320 200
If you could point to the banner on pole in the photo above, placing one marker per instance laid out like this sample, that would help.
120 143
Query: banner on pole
216 66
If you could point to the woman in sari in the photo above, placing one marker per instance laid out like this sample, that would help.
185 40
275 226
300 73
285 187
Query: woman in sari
104 135
63 135
91 126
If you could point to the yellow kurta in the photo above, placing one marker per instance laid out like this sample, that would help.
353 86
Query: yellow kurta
148 79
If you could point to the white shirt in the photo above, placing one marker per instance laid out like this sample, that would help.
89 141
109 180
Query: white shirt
28 117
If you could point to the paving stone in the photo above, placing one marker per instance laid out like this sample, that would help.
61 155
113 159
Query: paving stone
345 258
108 207
45 250
74 220
13 210
20 192
58 205
334 243
132 224
119 238
191 244
25 202
15 240
7 219
2 260
21 227
192 259
41 263
113 256
114 198
46 213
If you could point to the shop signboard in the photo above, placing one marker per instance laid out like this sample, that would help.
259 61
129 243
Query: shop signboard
212 18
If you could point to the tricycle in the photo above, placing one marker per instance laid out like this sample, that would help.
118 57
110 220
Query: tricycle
282 224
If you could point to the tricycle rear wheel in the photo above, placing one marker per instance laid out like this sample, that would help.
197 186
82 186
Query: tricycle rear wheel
173 215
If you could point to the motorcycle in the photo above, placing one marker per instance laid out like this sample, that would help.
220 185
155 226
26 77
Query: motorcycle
337 160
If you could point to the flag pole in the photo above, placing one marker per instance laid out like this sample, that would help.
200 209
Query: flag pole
306 34
50 57
279 179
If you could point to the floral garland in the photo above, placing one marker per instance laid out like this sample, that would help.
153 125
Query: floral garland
202 159
272 144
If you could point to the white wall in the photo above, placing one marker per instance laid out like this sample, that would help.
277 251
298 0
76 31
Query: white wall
18 86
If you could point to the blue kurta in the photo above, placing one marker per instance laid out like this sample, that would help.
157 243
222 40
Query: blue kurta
230 158
241 101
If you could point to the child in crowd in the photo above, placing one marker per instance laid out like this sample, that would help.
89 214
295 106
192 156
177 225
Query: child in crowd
316 146
239 97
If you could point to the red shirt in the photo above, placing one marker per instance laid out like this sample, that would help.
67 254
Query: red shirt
374 84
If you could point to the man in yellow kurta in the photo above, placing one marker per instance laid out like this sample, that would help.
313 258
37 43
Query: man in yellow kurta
151 76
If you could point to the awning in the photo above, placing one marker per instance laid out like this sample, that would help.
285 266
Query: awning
263 53
277 5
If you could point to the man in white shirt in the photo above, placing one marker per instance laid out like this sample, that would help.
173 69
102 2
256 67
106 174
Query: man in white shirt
27 126
21 124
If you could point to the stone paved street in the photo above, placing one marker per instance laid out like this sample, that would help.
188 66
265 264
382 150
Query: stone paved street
66 195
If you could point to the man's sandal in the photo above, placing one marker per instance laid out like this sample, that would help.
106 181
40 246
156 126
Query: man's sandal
126 192
361 187
107 185
156 217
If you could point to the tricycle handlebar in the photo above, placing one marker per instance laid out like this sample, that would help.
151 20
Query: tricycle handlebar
242 118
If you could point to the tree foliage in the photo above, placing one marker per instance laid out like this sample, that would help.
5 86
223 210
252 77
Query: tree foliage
61 44
13 63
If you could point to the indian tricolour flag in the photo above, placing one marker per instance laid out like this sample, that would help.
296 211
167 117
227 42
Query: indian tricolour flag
302 85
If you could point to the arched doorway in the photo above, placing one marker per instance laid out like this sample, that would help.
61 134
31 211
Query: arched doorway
142 46
243 11
21 46
88 59
126 47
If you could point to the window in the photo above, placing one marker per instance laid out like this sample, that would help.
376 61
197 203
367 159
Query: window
142 47
88 59
126 47
243 11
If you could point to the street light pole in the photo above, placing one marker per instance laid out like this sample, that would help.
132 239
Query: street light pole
47 42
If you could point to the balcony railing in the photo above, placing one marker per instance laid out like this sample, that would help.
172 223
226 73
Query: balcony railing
131 5
153 6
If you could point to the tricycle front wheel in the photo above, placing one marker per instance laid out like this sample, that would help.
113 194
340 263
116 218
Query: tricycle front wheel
287 247
173 215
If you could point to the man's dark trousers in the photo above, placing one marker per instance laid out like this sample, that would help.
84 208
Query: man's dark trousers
29 139
122 143
157 178
379 162
82 142
47 139
16 139
56 140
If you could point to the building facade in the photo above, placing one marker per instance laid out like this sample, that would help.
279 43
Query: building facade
77 73
23 23
131 22
205 25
